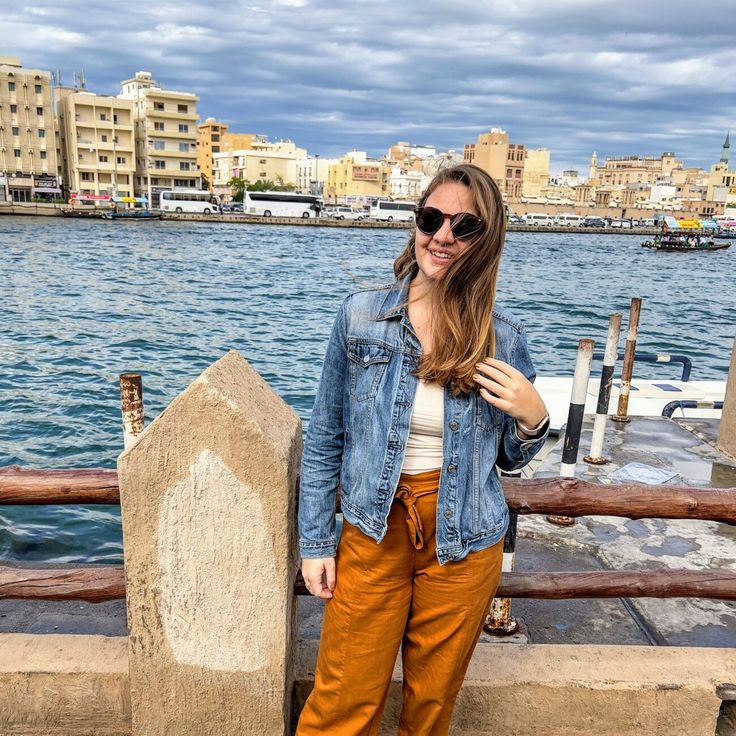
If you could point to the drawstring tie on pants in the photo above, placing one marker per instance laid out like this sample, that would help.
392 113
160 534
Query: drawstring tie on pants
411 489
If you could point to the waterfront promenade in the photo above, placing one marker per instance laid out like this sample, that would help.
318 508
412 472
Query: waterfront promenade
42 210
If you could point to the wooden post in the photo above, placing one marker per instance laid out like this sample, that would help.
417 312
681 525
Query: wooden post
726 442
207 494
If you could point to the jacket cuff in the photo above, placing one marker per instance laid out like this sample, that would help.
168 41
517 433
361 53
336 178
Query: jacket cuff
310 550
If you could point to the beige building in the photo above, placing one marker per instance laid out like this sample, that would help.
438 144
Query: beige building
97 144
619 171
242 141
210 136
165 136
536 172
278 166
28 156
504 161
355 176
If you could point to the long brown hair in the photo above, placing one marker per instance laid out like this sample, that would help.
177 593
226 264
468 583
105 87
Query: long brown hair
463 298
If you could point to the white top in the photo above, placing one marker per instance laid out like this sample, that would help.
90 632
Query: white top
424 446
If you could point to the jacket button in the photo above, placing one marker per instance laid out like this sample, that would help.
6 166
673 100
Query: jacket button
448 514
451 468
454 426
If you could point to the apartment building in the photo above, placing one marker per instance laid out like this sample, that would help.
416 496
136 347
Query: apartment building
271 164
536 172
209 140
312 173
97 143
355 176
28 155
165 125
504 161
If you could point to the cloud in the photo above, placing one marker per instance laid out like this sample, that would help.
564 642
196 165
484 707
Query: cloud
570 75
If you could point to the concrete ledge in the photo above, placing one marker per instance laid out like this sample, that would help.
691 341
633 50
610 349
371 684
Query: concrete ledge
559 690
78 685
63 685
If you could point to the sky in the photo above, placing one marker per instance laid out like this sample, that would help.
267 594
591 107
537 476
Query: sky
573 76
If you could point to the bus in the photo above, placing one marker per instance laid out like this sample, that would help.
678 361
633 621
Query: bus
189 200
281 204
385 210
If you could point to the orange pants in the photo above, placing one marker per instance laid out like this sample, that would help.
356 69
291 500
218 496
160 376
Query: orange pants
396 593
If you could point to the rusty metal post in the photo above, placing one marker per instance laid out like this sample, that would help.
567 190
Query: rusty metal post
131 402
499 620
627 371
604 393
574 425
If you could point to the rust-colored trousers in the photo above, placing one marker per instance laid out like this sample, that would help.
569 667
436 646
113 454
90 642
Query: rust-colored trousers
396 593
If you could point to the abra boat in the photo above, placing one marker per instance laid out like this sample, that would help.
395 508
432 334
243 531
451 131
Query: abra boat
682 244
686 235
132 215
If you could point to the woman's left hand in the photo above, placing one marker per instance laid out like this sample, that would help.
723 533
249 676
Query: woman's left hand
509 390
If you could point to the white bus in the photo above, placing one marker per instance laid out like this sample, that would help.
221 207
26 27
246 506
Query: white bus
281 204
400 211
189 200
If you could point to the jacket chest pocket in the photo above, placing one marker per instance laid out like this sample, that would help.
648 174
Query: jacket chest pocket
368 363
487 417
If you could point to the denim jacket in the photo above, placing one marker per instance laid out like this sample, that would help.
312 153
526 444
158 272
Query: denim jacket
360 424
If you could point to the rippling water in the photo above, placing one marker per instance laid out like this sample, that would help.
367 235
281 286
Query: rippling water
86 301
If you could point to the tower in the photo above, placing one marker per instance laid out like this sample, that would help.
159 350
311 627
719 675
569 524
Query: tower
726 146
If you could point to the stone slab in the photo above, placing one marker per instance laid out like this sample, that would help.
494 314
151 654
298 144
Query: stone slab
64 686
577 690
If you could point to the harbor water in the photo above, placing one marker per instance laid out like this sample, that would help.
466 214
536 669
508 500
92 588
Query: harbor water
84 301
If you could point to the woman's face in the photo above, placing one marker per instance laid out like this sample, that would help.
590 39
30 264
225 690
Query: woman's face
435 252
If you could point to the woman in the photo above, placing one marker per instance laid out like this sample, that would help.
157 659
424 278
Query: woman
426 387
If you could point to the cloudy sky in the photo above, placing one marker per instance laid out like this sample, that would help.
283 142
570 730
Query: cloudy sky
574 76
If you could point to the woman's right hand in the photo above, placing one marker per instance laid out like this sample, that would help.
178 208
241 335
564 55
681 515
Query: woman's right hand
319 576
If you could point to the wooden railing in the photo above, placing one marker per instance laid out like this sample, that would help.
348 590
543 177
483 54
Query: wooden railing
568 497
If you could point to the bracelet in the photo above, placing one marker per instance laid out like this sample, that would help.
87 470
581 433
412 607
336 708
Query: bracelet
532 431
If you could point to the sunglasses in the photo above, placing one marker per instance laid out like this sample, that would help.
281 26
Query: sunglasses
463 225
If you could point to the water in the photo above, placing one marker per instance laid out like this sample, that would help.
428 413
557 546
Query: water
83 302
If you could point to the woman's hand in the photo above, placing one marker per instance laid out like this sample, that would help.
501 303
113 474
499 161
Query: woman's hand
509 390
319 576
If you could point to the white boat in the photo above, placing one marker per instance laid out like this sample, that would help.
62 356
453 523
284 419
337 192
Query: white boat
647 398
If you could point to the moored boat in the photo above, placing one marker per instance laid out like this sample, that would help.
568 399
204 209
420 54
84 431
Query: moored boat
133 214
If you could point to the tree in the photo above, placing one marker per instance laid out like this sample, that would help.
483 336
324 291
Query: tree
238 185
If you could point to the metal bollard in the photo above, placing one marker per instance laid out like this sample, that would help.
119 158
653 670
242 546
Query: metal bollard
131 402
604 393
627 371
499 620
575 420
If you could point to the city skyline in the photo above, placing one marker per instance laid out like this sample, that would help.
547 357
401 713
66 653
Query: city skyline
336 77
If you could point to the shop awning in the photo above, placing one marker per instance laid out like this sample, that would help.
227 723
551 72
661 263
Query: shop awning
131 200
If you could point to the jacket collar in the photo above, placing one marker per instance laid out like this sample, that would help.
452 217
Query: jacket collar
394 303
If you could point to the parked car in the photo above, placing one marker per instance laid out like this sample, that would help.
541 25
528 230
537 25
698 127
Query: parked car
538 218
621 223
516 220
345 213
568 219
591 221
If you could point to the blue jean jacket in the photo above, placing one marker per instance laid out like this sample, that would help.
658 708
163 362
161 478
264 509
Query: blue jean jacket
360 424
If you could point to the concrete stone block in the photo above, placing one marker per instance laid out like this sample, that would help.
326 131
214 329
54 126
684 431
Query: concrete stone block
208 507
573 690
727 431
64 686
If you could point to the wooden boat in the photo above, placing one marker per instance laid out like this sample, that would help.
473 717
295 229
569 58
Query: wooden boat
682 243
134 214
